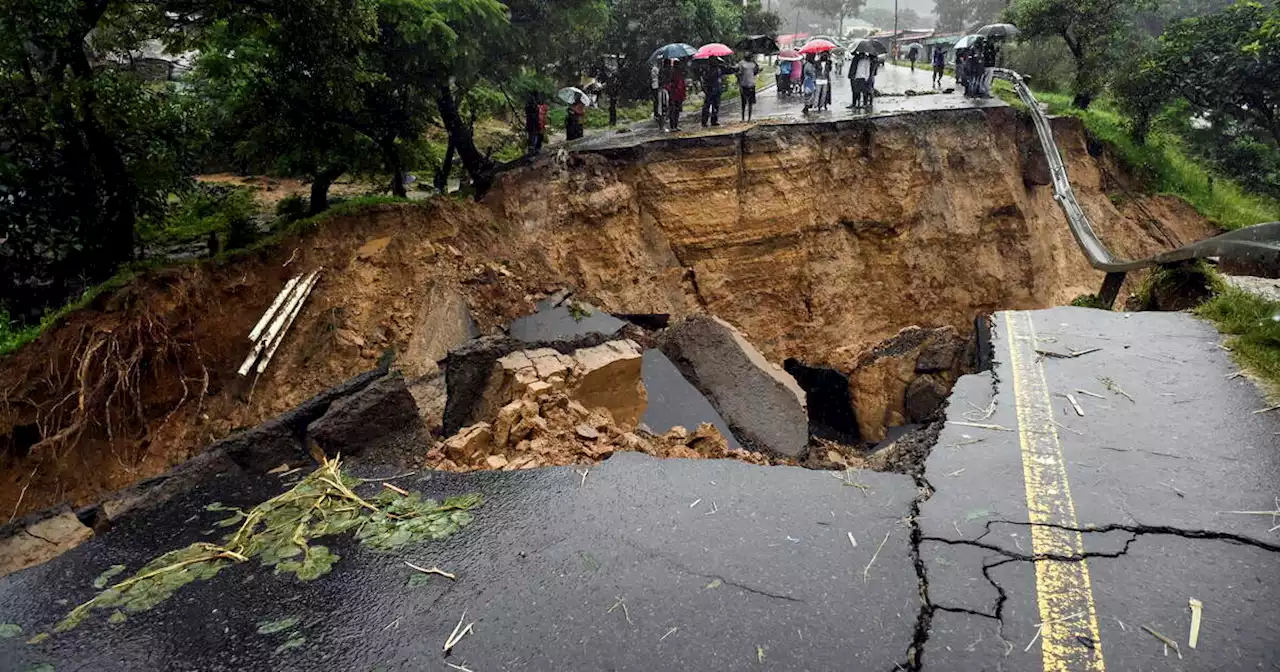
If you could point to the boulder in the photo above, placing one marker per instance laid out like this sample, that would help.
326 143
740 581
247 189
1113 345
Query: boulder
882 376
430 395
763 405
923 399
372 419
610 376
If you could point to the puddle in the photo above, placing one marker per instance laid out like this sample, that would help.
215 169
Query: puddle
553 323
674 401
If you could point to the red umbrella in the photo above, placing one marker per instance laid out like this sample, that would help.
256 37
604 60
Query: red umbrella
789 55
817 46
713 50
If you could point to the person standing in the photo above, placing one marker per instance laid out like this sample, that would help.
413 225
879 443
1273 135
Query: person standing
677 89
939 65
912 53
990 54
712 92
655 73
824 81
747 71
810 82
860 78
533 123
573 120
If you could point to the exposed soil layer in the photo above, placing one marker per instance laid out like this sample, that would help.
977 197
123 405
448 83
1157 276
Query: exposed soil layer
819 242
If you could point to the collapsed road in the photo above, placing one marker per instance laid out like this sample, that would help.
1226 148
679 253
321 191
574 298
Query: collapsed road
1083 476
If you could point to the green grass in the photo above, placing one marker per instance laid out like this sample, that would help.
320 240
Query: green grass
1254 326
13 336
1165 163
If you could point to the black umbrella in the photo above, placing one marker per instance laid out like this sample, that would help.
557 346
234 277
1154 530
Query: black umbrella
865 46
1000 30
758 44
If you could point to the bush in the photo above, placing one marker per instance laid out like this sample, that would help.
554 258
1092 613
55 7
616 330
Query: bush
226 212
292 208
1046 62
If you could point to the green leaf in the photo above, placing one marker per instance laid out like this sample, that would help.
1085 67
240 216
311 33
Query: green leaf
105 577
38 638
117 618
293 643
272 627
10 630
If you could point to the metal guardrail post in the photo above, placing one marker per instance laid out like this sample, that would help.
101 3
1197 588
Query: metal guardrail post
1111 289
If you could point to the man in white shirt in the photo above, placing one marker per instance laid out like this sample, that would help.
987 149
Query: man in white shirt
747 71
860 76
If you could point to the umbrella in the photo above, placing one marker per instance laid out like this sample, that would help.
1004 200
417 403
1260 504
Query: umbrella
817 46
865 46
673 52
967 42
569 95
789 55
759 44
998 30
713 50
915 46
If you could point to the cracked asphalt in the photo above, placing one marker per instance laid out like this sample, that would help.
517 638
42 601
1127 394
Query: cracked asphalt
719 565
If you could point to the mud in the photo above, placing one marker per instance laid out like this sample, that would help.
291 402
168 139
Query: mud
817 242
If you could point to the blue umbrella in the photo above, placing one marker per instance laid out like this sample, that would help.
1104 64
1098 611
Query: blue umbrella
672 52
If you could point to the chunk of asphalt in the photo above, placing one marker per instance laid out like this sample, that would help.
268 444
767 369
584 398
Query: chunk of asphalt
763 405
673 402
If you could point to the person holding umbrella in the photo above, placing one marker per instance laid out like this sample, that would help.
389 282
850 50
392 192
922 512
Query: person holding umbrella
576 114
713 73
992 37
939 65
810 82
912 53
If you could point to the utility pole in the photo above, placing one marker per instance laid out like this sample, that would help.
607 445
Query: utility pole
893 53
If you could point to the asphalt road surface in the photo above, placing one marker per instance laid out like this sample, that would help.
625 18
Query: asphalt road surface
1036 539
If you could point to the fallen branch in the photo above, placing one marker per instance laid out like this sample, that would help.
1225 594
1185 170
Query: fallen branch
866 572
1166 640
433 570
458 633
995 428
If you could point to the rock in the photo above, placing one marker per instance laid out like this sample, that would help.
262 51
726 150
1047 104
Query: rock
496 461
578 409
677 434
376 418
443 323
373 248
40 538
349 337
762 404
513 374
707 440
528 427
587 432
610 376
469 443
939 353
923 398
540 389
430 395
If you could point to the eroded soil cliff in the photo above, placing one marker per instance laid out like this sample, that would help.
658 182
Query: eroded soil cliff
818 241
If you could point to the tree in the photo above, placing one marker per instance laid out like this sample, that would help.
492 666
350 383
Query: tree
958 15
834 9
1227 64
883 18
756 20
1091 29
88 147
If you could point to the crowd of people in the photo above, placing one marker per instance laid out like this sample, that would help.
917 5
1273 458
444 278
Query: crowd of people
810 77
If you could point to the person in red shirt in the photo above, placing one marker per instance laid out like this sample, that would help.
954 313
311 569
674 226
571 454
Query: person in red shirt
677 90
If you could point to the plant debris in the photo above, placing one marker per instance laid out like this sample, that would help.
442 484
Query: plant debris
458 633
866 572
621 603
279 532
433 570
1197 607
105 577
272 627
1115 389
10 630
1167 642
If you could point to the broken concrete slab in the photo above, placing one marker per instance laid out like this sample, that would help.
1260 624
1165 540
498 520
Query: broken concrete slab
763 405
610 376
39 538
372 420
430 395
673 402
444 322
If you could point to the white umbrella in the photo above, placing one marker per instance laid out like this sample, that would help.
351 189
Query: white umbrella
569 95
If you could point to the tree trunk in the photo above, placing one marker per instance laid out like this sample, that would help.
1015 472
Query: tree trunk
119 207
320 188
391 157
478 166
1083 86
446 168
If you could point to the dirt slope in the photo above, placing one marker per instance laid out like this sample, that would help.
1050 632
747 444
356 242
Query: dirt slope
818 241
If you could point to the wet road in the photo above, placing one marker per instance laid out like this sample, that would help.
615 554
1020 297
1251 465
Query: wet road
894 82
1046 540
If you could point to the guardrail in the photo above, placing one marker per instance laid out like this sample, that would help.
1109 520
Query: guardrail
1261 241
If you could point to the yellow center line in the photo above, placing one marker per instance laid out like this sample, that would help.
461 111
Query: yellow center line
1068 618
